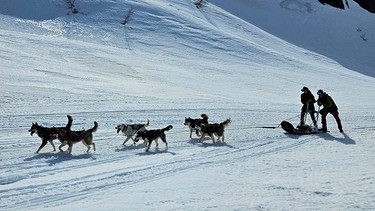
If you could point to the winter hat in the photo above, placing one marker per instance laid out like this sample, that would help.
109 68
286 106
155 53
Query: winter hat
319 92
304 88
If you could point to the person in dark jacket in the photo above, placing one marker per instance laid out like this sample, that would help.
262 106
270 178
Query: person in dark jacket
307 100
329 106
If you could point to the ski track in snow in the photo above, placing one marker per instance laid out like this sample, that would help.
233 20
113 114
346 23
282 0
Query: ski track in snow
182 154
243 142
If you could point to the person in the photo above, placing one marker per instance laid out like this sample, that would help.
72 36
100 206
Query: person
329 106
308 100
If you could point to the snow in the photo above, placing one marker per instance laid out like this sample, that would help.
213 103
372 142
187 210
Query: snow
173 61
335 33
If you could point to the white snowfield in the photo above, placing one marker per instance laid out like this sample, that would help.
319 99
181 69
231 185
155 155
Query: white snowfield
171 61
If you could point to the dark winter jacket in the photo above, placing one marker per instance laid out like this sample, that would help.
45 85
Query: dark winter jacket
328 103
308 97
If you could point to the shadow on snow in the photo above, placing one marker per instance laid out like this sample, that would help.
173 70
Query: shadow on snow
209 143
123 148
54 158
327 136
156 150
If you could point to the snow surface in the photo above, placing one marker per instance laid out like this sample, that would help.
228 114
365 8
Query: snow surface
171 61
347 36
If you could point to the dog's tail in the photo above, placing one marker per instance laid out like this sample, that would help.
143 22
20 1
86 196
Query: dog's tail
226 122
169 127
70 121
148 123
204 116
94 128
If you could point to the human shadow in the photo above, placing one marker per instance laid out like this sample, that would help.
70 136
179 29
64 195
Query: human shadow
344 140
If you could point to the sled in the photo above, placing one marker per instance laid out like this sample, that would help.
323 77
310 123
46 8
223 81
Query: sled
302 130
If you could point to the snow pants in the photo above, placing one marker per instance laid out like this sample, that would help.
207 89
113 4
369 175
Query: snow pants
324 112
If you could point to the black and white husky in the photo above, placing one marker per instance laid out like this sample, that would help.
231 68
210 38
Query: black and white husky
216 129
47 134
153 135
129 130
194 124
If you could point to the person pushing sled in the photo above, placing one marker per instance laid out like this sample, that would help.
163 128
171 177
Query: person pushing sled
308 101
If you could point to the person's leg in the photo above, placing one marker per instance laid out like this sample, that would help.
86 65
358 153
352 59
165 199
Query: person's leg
338 120
324 113
312 114
303 113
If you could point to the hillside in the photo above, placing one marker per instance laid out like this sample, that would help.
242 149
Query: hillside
345 36
171 61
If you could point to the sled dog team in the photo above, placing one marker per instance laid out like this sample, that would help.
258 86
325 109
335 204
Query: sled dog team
132 131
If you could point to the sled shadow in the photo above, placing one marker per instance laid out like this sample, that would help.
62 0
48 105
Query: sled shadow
58 157
293 136
345 140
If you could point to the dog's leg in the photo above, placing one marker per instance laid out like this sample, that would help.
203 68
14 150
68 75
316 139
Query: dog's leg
191 132
156 140
213 138
127 138
134 142
61 145
44 142
70 148
86 143
164 139
197 131
217 135
148 145
93 145
202 137
53 145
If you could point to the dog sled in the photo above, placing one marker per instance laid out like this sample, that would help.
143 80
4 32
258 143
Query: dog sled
304 129
300 130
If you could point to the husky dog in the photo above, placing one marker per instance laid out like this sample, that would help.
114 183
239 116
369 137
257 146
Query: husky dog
153 135
130 130
194 124
47 133
69 137
214 129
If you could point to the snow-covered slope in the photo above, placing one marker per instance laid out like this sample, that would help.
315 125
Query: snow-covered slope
346 36
169 62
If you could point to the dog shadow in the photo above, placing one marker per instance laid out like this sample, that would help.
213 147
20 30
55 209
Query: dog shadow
207 142
124 148
58 157
344 140
156 150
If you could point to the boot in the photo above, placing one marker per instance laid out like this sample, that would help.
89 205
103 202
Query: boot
340 127
338 120
302 120
324 127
